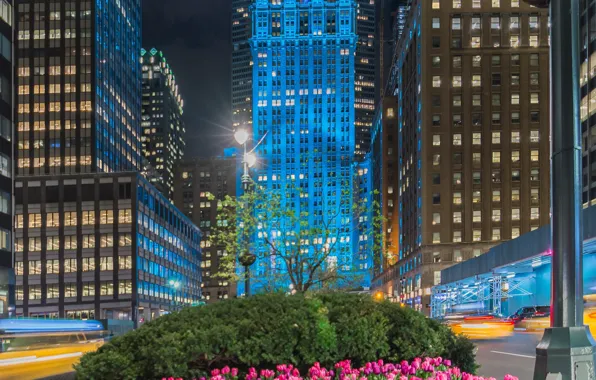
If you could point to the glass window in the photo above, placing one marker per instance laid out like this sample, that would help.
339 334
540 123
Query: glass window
476 60
476 23
436 218
515 156
476 197
514 195
457 236
436 4
495 22
477 216
456 81
457 217
457 178
457 62
496 195
496 234
515 232
476 81
477 138
477 235
456 23
496 215
534 213
496 137
436 23
457 140
436 81
534 156
457 200
515 214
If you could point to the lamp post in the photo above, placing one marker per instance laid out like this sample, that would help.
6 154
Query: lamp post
567 350
249 159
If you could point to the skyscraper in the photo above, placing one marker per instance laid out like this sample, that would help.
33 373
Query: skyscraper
303 106
473 106
6 156
194 182
241 65
365 66
162 126
94 239
79 78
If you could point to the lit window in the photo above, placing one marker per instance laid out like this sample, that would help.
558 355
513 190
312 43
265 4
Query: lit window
476 100
457 217
534 213
477 138
496 3
496 215
456 23
457 139
476 4
534 99
515 232
457 198
477 216
436 218
496 157
534 195
514 22
534 156
476 81
515 99
476 197
515 3
436 81
515 214
475 43
515 156
495 22
514 195
496 137
514 41
436 4
106 217
457 100
534 41
496 231
515 137
477 235
497 196
436 23
436 140
34 220
124 262
436 237
456 4
456 81
125 216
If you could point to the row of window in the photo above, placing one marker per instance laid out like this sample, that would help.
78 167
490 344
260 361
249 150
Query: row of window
477 235
71 266
476 41
88 218
477 214
456 62
496 197
70 242
105 288
85 106
456 82
456 4
495 23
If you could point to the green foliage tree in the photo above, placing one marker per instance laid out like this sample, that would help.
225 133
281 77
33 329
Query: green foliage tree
270 329
271 225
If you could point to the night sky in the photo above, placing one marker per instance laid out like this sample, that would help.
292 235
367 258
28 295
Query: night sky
195 38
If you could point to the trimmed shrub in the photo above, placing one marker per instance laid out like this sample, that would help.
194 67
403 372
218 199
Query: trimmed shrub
266 330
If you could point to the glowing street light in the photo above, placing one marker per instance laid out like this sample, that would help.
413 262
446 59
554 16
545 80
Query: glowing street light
251 159
241 136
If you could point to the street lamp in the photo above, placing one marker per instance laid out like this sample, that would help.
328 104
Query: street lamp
246 260
567 350
248 158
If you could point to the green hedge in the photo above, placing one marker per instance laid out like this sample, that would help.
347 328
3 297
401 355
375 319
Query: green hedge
267 330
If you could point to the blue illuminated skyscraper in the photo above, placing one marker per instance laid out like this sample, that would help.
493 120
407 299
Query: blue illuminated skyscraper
303 102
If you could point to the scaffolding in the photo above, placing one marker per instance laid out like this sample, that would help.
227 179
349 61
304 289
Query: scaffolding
489 290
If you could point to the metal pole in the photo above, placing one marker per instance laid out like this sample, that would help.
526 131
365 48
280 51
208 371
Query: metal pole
247 281
567 350
245 174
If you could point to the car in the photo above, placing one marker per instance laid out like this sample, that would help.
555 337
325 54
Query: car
529 313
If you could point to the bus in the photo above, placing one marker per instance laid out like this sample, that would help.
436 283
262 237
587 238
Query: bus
32 349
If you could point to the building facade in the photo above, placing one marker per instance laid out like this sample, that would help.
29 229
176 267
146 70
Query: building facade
241 65
162 126
194 182
365 97
78 86
303 111
471 78
6 156
103 246
385 179
588 100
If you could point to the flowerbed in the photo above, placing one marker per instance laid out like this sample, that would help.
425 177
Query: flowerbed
418 369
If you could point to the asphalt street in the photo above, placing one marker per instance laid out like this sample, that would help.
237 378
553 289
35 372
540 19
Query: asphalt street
514 355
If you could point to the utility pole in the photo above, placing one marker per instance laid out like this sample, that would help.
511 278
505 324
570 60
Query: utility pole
567 350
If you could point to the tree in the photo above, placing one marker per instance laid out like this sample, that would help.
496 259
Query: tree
295 248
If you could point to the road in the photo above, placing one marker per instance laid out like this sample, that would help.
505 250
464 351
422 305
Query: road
515 355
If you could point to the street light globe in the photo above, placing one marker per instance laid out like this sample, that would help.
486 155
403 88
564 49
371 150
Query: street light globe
241 136
251 159
172 282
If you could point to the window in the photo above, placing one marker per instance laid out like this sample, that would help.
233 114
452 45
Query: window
436 41
436 120
496 79
456 236
476 158
476 197
88 264
88 241
477 138
496 118
534 195
496 196
125 287
534 213
533 21
514 195
515 99
496 215
515 214
534 136
457 120
436 4
34 267
456 23
125 240
106 263
436 81
52 291
34 292
534 61
496 234
495 22
476 235
457 198
52 266
52 219
436 23
436 218
457 217
70 290
476 100
88 218
477 216
70 242
496 99
70 218
456 81
53 243
534 156
124 262
496 138
437 277
436 159
106 217
456 4
534 98
106 241
515 117
106 288
70 265
476 3
476 60
457 139
436 199
476 178
457 178
515 232
436 61
457 62
476 81
515 157
88 289
475 42
34 220
534 79
514 41
35 244
124 216
457 100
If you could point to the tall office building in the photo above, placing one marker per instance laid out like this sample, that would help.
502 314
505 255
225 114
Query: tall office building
303 103
162 126
241 65
94 239
471 78
365 75
79 77
195 180
588 101
6 157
